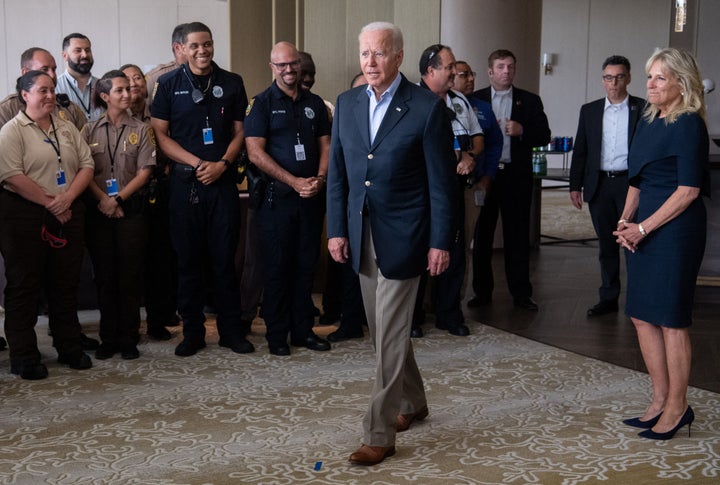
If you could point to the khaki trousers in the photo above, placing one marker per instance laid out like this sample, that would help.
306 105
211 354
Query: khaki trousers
398 385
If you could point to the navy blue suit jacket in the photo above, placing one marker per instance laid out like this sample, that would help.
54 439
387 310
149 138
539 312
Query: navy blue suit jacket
586 163
405 178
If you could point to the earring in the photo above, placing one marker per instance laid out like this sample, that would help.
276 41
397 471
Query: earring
682 93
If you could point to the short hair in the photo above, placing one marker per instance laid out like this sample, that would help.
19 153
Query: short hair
355 78
306 58
27 81
177 36
500 54
678 64
104 85
74 35
430 58
191 28
27 56
126 66
616 60
397 36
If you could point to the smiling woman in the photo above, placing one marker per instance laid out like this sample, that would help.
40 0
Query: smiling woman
44 167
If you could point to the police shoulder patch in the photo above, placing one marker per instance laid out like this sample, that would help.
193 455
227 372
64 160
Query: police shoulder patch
249 106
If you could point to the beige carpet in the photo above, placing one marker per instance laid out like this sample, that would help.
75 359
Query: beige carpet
560 219
503 410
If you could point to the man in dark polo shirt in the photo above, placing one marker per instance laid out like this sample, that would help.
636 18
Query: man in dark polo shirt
198 113
288 138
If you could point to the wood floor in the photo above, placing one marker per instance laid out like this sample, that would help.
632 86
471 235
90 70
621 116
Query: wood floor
565 279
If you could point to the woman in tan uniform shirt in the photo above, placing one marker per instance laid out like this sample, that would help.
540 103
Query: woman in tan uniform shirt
44 167
123 149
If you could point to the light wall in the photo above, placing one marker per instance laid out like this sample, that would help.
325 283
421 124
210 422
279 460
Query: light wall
121 31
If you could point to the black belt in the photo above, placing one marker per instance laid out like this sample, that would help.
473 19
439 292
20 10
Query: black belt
612 174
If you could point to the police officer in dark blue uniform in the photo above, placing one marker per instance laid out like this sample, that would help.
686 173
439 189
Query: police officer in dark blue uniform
288 138
197 113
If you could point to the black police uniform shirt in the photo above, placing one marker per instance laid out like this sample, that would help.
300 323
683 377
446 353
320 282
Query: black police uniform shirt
224 102
274 115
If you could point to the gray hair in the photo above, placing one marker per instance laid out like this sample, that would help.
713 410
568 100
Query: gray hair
397 36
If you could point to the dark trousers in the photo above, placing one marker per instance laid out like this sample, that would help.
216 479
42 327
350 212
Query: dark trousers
290 229
446 291
352 311
251 282
605 209
332 299
510 195
205 228
160 260
117 250
32 266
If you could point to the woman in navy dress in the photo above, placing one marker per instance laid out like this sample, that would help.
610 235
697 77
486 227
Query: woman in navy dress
663 228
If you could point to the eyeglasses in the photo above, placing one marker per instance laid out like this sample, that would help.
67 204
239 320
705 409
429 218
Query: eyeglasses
608 78
466 73
283 65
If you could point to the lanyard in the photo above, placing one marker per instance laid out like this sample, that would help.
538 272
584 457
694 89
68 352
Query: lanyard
112 152
79 97
55 144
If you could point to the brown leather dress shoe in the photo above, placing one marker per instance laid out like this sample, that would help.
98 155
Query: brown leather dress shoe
371 455
403 421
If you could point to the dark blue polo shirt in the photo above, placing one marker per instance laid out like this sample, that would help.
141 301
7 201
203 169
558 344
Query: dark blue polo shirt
224 103
274 115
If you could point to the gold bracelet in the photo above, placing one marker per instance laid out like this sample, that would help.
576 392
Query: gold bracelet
642 230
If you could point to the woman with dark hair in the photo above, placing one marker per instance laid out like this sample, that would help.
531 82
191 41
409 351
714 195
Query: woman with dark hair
663 228
44 167
139 107
123 149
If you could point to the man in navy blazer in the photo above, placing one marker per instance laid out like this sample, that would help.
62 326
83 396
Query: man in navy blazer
522 119
598 173
390 210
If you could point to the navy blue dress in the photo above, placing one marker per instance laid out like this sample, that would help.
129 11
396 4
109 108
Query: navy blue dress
663 270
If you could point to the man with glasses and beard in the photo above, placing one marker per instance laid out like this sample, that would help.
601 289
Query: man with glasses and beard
76 81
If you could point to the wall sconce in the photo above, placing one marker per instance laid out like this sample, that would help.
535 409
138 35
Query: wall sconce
547 61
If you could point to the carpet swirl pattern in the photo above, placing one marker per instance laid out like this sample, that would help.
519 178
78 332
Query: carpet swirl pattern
503 409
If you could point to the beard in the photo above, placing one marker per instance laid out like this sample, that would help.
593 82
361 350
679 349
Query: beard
80 67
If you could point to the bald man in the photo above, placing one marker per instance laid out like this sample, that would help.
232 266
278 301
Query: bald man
287 132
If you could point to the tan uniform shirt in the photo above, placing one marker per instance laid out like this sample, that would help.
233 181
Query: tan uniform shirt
154 74
11 106
26 150
145 115
131 145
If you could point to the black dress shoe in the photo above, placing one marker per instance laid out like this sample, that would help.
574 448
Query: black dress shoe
188 347
281 349
340 335
159 333
313 342
31 369
75 360
88 343
239 345
459 329
603 307
477 301
130 352
416 332
105 351
526 303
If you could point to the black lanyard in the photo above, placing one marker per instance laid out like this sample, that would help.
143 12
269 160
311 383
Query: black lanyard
111 152
79 97
55 144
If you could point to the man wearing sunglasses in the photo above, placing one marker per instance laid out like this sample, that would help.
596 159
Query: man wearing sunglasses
198 113
598 173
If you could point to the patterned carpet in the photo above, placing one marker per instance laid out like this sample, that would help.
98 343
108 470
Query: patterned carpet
503 410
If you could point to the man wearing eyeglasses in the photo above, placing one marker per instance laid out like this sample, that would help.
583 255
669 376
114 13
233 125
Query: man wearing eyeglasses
197 114
288 137
598 173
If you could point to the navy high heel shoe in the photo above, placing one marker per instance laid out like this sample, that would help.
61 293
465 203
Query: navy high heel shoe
637 423
687 418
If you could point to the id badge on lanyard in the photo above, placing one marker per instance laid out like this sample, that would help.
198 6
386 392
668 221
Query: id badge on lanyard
207 133
300 151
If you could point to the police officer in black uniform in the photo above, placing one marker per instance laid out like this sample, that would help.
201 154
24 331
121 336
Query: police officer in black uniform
198 113
288 138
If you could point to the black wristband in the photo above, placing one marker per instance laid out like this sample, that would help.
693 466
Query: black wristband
224 161
119 199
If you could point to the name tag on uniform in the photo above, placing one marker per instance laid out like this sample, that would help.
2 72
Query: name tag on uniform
300 152
207 136
112 187
60 177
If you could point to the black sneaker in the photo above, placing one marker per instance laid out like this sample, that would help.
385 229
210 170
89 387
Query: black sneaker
105 351
75 360
239 345
30 369
130 353
188 347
